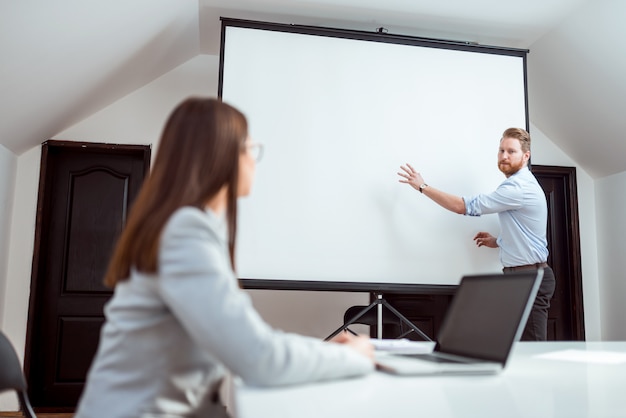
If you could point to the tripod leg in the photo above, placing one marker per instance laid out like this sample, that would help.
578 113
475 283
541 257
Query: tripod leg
405 333
351 332
406 321
379 333
353 320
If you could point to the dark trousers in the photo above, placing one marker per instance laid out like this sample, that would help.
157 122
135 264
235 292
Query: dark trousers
537 325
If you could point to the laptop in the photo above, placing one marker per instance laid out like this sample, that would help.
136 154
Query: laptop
487 316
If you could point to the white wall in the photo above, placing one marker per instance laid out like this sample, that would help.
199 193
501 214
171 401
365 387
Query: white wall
139 117
611 200
20 254
544 152
8 164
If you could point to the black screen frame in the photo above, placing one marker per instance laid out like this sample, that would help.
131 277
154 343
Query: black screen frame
286 284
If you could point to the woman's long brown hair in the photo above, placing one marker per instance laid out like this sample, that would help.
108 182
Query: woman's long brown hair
198 154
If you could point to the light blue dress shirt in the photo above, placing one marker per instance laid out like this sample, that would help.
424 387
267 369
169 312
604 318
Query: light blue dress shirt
521 206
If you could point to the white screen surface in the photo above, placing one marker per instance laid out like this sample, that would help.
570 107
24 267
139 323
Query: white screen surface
337 118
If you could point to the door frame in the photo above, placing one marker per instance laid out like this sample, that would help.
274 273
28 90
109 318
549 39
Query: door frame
43 208
574 274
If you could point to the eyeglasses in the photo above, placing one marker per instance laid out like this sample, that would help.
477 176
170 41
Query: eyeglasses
256 150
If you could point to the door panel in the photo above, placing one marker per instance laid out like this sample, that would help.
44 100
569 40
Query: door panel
85 192
565 318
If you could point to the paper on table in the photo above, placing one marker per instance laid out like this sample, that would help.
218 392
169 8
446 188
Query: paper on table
584 356
403 345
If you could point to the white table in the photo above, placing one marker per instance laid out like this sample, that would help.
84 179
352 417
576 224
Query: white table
529 387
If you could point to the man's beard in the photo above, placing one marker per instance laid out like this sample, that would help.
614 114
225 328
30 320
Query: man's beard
510 168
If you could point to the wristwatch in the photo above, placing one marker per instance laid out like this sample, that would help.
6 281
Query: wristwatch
422 187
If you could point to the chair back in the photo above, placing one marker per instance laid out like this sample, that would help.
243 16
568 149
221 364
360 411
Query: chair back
12 376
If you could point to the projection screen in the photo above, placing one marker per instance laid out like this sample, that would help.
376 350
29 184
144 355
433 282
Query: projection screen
338 112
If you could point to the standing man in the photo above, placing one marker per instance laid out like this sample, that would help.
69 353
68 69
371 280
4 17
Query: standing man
521 206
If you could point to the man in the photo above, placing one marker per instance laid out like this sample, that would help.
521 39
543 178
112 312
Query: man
521 206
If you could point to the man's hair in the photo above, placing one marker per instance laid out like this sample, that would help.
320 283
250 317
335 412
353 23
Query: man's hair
198 155
521 135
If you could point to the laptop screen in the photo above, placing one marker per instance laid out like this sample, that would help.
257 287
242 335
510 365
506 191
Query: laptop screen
488 314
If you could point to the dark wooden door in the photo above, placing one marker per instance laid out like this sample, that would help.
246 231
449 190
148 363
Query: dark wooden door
566 316
84 195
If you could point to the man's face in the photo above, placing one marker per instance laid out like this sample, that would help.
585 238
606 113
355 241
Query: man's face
510 156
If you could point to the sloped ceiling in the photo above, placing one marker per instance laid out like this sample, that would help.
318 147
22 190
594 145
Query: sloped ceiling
577 86
63 60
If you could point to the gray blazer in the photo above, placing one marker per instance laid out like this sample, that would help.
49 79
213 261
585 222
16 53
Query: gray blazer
169 337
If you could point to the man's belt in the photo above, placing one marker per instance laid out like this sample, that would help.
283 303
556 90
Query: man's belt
526 267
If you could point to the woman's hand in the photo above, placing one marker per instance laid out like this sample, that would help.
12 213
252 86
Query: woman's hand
360 343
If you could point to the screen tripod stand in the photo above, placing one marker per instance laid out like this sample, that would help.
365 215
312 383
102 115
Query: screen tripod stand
379 302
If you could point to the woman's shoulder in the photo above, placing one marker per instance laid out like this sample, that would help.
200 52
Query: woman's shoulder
187 214
192 220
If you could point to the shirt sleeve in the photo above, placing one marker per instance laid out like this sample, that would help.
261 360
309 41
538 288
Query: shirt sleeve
199 287
508 196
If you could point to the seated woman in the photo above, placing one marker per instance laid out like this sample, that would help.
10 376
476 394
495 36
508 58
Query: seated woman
178 319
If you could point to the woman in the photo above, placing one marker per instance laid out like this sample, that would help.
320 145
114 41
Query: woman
178 320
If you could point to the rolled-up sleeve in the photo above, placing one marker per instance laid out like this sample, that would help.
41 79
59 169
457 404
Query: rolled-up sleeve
508 196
